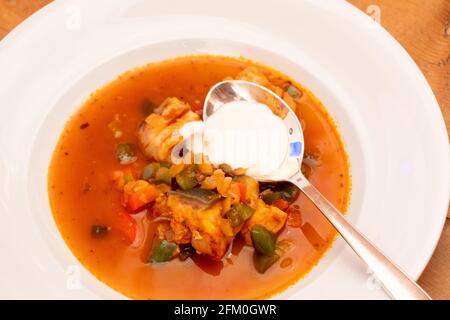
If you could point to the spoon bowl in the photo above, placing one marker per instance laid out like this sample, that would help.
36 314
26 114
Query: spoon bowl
228 91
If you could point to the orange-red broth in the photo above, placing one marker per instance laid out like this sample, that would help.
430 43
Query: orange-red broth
81 192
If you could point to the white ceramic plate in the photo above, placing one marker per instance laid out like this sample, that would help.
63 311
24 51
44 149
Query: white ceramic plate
386 112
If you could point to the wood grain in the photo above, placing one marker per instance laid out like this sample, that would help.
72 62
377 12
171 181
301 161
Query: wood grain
12 12
422 27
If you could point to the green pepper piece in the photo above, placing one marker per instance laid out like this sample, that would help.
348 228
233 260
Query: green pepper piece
288 191
198 195
239 213
150 170
186 179
263 240
163 251
125 153
263 262
163 176
98 231
271 196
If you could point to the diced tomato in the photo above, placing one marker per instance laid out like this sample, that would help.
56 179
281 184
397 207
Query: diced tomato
281 204
242 191
138 194
126 225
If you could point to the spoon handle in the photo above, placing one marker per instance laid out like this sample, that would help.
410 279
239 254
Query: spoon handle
394 280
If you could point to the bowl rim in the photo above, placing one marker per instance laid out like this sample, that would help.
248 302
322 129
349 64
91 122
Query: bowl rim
439 127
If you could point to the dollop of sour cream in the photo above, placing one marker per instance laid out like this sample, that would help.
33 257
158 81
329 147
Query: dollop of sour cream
244 134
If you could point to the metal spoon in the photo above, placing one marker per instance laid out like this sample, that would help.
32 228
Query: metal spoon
396 282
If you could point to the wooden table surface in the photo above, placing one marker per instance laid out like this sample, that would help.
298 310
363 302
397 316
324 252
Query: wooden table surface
422 27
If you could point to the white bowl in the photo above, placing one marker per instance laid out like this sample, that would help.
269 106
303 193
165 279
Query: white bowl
384 108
